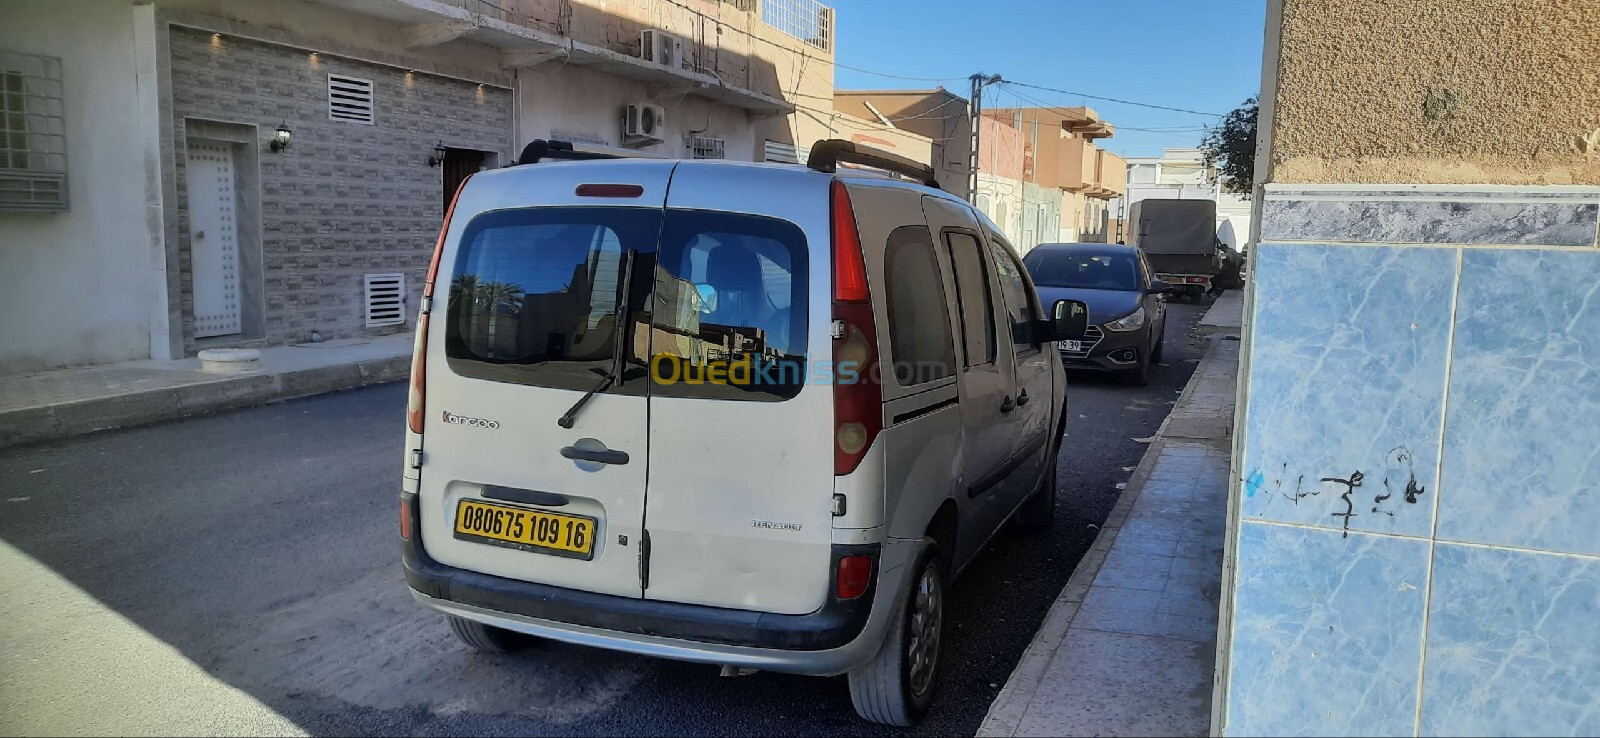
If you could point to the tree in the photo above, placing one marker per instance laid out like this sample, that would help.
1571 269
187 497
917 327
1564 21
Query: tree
1229 150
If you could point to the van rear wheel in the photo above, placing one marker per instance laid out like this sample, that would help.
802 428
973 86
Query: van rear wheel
488 638
896 687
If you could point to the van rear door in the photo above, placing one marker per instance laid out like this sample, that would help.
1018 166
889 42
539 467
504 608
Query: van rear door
741 454
533 310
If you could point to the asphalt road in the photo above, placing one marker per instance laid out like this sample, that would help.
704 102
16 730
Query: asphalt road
240 574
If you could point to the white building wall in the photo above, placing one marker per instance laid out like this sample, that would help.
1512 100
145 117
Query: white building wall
72 280
583 105
1000 198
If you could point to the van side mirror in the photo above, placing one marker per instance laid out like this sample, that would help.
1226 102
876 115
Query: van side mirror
1069 320
1158 287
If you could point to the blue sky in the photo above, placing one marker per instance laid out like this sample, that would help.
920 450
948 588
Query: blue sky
1201 55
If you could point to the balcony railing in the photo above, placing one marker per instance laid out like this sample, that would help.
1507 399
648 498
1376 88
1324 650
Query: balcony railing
807 20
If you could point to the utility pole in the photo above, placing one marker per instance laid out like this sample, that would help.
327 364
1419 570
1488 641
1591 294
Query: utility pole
975 106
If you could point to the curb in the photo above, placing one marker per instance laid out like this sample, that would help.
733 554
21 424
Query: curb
1006 712
33 425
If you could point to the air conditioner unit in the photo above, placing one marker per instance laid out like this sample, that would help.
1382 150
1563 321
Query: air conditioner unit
662 48
644 123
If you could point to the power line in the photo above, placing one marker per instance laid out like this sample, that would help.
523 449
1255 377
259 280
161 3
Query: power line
899 76
1112 99
1179 131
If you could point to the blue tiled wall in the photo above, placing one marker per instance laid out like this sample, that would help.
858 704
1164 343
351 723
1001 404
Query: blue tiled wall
1416 546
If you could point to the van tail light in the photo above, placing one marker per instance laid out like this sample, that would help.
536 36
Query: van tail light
857 396
855 573
405 518
419 349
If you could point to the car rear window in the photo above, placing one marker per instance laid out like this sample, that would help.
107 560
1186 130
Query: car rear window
711 305
730 302
535 293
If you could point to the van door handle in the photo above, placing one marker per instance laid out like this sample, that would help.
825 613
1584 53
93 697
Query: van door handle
607 456
1022 399
1007 405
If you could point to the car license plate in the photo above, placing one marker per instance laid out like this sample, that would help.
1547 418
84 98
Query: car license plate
527 530
1070 345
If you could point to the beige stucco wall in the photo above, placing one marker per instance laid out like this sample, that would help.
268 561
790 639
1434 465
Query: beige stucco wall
1438 91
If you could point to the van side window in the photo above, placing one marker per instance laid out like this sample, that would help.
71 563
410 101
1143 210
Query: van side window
919 322
972 297
1014 290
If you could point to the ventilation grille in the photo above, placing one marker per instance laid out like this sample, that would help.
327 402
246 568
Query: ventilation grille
778 151
385 299
349 99
701 147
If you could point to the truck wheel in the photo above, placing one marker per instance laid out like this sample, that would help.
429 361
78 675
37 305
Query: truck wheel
488 638
896 687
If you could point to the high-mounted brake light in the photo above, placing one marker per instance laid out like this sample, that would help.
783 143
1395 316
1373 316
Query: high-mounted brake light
419 348
610 190
857 396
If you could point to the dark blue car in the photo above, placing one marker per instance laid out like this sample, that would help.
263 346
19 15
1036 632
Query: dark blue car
1127 304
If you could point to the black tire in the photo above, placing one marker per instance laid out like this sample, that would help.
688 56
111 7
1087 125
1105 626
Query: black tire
488 638
1161 342
882 689
1039 511
1140 375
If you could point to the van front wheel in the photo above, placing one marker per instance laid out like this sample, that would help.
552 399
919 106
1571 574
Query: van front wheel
896 687
487 638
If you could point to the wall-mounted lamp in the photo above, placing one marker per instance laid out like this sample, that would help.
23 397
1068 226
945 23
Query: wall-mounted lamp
438 155
280 140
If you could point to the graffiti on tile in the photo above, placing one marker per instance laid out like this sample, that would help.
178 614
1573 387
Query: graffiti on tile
1350 489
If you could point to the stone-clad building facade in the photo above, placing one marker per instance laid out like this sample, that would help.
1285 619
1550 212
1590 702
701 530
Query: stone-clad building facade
347 198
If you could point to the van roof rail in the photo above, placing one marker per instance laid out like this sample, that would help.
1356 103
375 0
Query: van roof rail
827 154
540 149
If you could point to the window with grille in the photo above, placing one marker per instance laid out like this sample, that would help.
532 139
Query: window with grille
33 152
350 99
807 20
701 147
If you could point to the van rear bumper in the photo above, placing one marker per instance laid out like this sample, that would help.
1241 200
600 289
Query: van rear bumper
810 643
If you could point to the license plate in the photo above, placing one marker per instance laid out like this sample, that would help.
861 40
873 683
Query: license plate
571 536
1070 345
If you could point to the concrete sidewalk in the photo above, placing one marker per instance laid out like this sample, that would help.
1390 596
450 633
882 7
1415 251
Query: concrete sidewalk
68 402
1128 648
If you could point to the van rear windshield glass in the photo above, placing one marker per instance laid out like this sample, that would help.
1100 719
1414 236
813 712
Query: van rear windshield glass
536 297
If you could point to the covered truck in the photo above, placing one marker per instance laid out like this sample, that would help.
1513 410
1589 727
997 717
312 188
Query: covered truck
1180 239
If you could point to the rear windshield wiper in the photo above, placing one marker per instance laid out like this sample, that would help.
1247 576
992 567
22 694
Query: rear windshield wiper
618 361
571 416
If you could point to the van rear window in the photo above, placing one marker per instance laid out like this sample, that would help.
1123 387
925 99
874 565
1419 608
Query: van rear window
710 305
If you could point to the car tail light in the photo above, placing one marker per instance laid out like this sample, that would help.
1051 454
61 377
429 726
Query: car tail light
855 573
419 349
857 396
405 519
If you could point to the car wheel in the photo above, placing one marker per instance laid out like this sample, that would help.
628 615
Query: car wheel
1039 511
1161 342
488 638
1140 375
896 687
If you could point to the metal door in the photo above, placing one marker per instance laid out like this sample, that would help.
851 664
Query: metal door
213 239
